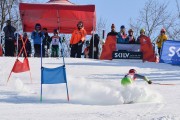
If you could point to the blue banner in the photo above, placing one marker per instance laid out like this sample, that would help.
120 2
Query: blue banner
53 75
171 52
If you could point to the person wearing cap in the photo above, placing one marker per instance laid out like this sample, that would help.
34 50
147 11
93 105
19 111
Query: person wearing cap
131 76
130 38
55 42
77 40
161 38
122 36
113 31
142 34
9 31
37 36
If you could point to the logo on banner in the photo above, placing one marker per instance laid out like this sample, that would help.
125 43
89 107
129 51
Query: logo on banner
121 55
173 50
127 55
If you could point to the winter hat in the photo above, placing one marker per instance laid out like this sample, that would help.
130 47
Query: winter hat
130 30
112 26
163 30
38 25
122 27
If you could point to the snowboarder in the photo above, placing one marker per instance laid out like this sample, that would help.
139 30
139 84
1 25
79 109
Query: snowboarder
131 77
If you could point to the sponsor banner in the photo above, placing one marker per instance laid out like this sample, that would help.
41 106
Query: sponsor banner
127 55
170 52
128 47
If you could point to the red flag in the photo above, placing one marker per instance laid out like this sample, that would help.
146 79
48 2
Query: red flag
21 66
1 51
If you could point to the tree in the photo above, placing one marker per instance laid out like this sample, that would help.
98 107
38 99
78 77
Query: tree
101 25
152 18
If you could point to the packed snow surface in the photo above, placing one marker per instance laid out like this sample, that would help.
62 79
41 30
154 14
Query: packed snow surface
94 89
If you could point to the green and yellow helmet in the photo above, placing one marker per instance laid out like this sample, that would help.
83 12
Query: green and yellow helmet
142 30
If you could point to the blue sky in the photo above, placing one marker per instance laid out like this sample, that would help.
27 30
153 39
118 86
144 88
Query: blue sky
120 12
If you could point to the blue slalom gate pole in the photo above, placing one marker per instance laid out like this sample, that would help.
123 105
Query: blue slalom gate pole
65 72
41 72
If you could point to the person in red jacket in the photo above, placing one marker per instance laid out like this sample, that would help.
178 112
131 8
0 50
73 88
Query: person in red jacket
77 40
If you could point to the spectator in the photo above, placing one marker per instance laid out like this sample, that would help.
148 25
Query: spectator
46 41
142 33
55 41
94 48
121 37
113 31
86 50
130 38
20 44
27 44
161 38
37 37
77 40
9 39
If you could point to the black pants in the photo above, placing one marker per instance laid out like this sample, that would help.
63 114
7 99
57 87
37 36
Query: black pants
37 48
159 51
9 48
55 51
76 51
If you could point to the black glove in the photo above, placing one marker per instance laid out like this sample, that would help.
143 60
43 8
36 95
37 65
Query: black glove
80 43
149 82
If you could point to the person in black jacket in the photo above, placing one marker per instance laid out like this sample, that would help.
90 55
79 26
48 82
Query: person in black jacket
130 38
9 39
94 48
113 31
27 44
46 42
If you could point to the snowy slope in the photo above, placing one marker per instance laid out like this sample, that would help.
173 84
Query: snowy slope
95 92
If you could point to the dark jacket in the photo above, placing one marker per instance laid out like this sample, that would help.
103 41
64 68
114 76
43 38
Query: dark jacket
47 40
112 33
96 48
131 40
37 36
9 32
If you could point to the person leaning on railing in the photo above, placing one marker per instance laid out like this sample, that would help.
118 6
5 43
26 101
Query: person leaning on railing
161 38
130 38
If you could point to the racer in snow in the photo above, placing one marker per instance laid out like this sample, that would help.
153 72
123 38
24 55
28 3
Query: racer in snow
131 77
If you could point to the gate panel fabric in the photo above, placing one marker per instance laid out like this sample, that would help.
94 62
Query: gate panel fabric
21 66
53 75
